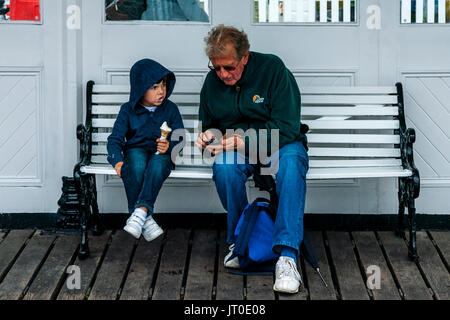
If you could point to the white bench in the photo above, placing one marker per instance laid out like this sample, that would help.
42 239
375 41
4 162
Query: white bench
355 132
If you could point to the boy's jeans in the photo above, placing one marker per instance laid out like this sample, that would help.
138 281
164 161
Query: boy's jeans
230 179
143 175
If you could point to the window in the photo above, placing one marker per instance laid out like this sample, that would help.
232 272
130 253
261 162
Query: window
305 11
425 11
20 10
157 10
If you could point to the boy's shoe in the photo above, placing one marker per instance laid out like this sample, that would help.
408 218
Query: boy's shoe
287 278
229 261
151 230
135 223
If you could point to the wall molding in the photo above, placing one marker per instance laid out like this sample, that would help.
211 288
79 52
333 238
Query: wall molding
37 179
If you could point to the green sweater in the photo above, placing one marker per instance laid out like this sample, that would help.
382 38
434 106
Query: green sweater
266 97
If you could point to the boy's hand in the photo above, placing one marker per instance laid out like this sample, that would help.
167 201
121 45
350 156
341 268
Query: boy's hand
118 168
163 145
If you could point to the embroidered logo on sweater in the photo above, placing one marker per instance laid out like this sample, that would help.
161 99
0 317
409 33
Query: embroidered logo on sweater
258 99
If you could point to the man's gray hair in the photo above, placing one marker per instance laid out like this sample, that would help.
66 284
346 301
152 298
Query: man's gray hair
220 36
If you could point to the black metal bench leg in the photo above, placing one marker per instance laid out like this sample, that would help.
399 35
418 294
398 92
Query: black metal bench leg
400 231
97 225
82 187
412 250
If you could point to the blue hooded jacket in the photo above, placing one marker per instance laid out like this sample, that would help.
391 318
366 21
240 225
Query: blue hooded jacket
135 126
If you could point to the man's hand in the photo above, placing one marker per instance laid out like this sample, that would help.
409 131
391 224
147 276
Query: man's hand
233 142
203 138
163 145
118 168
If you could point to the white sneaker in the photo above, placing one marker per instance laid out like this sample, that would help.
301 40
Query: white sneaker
151 230
287 278
231 262
135 223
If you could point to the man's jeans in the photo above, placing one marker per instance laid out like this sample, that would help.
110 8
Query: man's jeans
230 177
143 175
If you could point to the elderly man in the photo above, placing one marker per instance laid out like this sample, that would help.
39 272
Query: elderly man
244 91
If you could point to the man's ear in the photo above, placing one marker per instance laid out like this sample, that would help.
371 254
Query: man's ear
246 55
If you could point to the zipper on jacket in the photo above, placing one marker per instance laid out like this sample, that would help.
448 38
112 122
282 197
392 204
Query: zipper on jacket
238 90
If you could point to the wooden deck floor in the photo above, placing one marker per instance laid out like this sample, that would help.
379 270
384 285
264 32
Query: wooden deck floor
187 264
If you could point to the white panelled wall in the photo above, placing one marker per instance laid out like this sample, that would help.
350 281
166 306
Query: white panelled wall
44 69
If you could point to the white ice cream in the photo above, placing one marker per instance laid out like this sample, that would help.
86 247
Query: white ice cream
165 127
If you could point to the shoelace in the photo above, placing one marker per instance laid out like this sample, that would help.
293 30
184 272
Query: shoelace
136 218
289 269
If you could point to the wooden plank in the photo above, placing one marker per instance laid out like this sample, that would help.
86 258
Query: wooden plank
54 269
435 271
260 288
9 248
371 255
2 236
229 286
351 283
411 282
317 290
112 271
17 279
442 239
200 279
170 275
87 267
140 276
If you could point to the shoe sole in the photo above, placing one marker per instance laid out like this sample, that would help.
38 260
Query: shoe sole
154 236
132 232
284 291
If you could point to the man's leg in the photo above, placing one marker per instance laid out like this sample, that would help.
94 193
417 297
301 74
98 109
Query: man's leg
288 234
230 178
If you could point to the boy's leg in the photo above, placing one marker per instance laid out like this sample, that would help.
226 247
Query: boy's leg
158 170
230 176
133 171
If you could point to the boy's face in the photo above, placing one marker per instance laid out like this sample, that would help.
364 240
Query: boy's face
155 95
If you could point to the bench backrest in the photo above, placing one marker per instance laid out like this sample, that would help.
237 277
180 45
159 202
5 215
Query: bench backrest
349 126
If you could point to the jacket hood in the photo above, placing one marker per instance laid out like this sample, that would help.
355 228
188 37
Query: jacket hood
144 74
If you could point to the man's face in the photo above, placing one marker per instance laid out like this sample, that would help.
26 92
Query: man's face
155 95
227 67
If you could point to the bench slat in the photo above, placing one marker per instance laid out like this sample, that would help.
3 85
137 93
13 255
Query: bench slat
353 138
354 152
312 163
109 123
352 124
109 88
348 90
350 111
114 110
348 99
122 98
313 152
312 138
313 173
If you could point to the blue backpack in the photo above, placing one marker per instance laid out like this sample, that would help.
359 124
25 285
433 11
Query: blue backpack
253 237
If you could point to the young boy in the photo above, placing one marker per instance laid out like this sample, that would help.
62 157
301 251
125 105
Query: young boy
135 149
